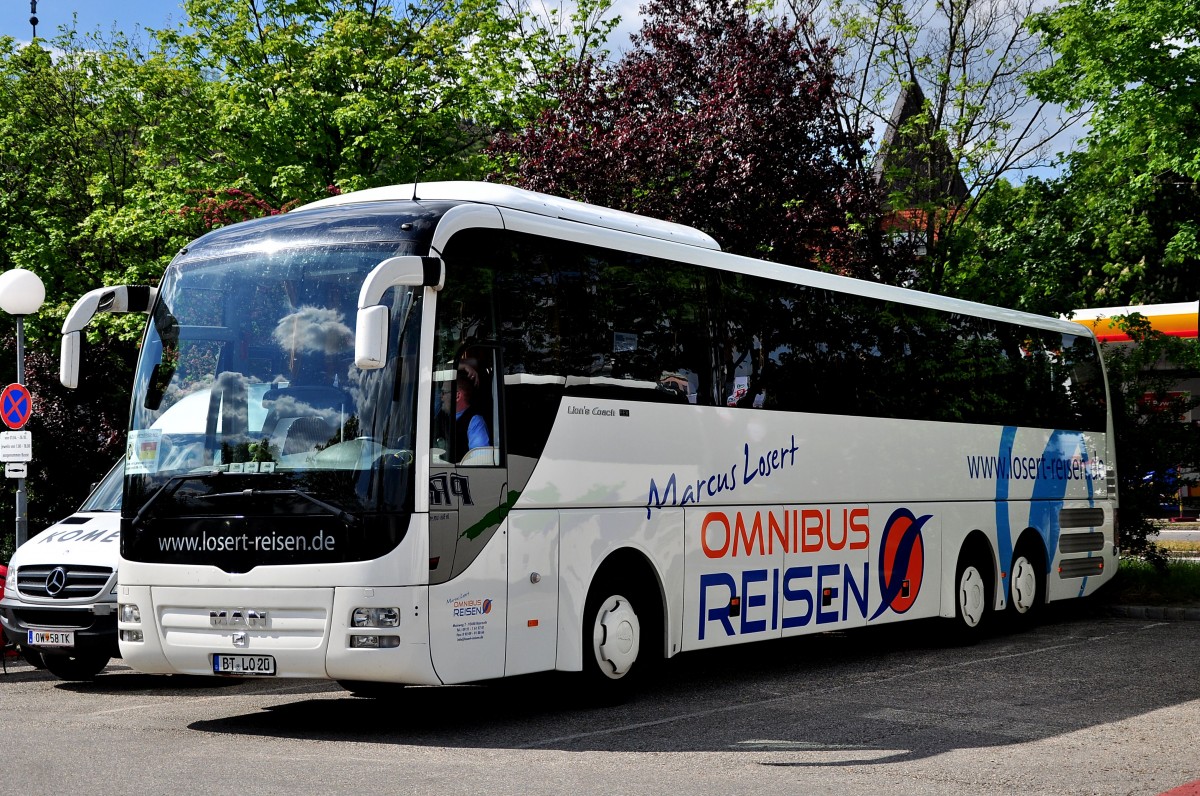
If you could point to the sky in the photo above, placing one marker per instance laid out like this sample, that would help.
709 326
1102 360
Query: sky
127 16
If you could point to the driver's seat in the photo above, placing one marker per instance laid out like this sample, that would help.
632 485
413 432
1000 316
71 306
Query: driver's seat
306 435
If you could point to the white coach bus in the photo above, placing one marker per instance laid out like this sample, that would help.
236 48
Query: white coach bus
457 431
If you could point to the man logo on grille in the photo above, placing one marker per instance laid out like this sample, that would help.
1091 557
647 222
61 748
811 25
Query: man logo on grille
56 581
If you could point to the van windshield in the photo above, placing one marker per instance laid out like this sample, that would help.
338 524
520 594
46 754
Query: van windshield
106 495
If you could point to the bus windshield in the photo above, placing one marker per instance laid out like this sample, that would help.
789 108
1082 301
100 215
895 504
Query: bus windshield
247 388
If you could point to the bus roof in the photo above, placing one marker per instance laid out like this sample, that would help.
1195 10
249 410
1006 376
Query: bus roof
529 202
704 250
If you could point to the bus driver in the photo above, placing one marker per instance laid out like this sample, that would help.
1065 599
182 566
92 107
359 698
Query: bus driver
470 428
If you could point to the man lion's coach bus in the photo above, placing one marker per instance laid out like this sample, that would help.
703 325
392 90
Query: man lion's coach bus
456 431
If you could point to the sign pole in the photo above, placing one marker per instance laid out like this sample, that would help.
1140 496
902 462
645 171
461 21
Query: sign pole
22 514
21 294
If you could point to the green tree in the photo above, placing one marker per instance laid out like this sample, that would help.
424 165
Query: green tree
304 96
1023 247
1135 186
115 155
68 155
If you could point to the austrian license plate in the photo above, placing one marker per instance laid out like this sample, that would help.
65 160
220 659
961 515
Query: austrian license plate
51 638
253 665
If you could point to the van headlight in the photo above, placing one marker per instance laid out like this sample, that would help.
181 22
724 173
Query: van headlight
129 614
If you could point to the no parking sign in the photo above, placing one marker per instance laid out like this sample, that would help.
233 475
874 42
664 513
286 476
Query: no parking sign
16 406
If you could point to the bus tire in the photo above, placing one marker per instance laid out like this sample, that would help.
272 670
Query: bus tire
1027 585
973 596
613 642
371 690
83 666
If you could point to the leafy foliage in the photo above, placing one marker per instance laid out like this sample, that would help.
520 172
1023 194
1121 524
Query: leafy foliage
1024 248
718 119
77 435
1137 62
1135 187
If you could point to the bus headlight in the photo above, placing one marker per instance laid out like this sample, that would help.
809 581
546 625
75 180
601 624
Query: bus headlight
375 617
129 613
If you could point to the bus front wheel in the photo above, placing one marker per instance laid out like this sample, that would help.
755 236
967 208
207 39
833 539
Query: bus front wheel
972 598
372 690
612 641
616 637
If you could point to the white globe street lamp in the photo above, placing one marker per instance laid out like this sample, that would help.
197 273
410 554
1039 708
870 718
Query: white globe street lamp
21 294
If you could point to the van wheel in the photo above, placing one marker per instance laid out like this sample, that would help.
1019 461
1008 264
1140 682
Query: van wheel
972 598
33 657
612 642
84 666
1027 589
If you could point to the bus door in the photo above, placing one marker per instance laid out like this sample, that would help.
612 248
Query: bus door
468 490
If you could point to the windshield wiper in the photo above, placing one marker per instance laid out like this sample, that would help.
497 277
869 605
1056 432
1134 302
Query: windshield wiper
169 487
341 514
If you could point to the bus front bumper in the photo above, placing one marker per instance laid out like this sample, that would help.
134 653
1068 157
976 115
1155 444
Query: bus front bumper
279 632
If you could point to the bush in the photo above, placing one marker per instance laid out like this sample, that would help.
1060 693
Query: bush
1142 582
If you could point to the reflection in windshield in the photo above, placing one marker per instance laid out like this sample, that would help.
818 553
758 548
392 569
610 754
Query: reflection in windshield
314 330
251 373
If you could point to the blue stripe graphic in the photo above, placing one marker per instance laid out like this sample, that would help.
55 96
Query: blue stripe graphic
1003 529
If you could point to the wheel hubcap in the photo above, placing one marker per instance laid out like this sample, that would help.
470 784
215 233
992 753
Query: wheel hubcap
971 602
616 637
1024 585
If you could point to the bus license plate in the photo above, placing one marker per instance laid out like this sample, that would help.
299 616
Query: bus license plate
255 665
51 638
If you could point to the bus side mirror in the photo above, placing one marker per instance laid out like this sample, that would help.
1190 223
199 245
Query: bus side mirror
371 325
123 298
370 337
68 361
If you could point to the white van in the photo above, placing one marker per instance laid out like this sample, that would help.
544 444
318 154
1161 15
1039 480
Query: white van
60 596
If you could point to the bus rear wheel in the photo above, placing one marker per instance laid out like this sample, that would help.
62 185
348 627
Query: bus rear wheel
1026 586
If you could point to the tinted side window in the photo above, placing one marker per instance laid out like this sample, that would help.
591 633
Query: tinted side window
604 323
585 321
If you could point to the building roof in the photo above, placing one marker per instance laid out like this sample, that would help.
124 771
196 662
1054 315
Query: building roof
1177 320
904 164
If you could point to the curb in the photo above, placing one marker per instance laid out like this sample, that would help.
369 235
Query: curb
1173 612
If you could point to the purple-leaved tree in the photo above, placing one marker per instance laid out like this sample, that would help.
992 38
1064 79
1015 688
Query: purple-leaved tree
716 118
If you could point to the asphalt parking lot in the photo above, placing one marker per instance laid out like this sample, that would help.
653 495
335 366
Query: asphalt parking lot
1083 703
